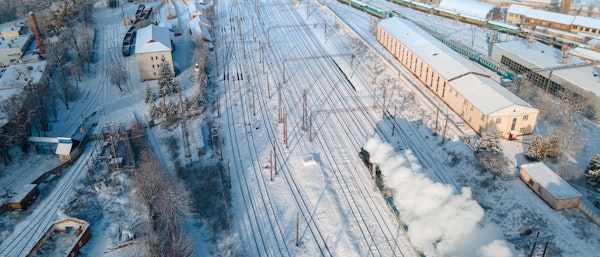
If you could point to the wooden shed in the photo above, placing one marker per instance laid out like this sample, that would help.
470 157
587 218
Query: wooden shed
556 192
23 198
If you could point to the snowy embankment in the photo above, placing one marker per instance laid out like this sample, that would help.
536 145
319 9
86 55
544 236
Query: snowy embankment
439 221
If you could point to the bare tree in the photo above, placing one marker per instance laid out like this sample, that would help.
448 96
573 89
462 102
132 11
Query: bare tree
118 75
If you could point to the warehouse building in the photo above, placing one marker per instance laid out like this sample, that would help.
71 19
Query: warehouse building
556 192
463 86
552 70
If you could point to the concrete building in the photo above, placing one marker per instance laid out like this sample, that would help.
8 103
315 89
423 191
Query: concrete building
16 76
556 192
463 86
552 70
152 44
14 41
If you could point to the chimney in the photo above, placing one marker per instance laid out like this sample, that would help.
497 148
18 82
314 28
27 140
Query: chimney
36 32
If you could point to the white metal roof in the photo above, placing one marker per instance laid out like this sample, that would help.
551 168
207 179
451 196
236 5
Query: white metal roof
587 21
550 16
553 183
543 56
486 94
152 39
19 75
441 58
518 9
63 149
468 7
483 92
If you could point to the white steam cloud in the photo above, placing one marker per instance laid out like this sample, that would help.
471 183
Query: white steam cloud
440 222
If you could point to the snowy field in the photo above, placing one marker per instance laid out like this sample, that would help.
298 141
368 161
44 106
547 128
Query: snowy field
294 169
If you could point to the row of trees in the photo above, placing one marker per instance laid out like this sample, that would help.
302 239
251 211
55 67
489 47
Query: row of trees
166 200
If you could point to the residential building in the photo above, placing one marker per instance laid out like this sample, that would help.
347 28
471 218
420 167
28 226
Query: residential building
14 41
152 45
16 76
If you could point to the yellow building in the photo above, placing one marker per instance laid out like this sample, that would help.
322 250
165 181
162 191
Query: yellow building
463 86
151 45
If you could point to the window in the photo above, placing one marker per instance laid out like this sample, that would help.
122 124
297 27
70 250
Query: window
482 116
469 119
525 117
152 66
522 130
471 107
151 58
531 182
498 120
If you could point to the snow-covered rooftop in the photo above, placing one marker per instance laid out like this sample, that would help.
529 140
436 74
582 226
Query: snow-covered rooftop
63 149
468 7
22 193
440 57
152 39
10 26
519 9
19 75
555 185
544 56
586 21
550 16
486 94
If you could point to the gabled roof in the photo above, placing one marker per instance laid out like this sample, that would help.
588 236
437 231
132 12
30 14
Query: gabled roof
468 7
152 39
519 9
440 57
587 21
553 183
486 94
550 16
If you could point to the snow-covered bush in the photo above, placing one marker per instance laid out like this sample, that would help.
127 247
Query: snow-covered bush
593 172
490 140
542 148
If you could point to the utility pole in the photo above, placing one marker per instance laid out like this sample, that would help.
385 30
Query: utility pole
310 128
275 157
285 130
253 103
297 228
445 127
271 162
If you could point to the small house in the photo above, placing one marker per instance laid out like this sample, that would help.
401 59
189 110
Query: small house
556 192
24 197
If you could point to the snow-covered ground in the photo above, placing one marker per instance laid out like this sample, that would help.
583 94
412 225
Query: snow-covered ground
303 180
